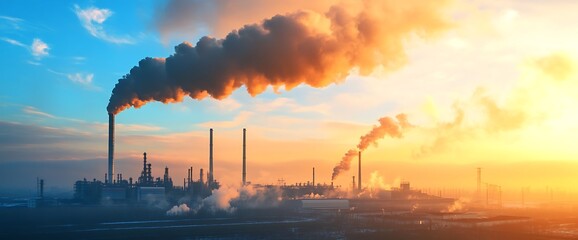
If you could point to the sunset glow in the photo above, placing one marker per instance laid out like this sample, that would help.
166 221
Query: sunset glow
482 84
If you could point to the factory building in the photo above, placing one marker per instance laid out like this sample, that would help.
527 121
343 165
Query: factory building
146 188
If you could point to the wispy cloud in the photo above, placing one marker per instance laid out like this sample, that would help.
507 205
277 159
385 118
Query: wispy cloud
78 60
82 79
92 19
79 78
241 118
39 49
14 42
14 22
34 111
33 63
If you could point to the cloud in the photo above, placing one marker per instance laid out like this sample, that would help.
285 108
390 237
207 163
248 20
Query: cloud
180 18
78 60
14 42
557 65
35 111
82 79
241 118
34 63
39 48
92 19
12 21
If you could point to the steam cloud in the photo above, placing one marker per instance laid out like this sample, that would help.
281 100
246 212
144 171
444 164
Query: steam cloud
387 127
283 51
178 210
228 198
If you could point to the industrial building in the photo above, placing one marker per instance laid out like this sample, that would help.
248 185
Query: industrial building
146 188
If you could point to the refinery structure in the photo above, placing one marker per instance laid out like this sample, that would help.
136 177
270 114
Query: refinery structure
160 207
200 184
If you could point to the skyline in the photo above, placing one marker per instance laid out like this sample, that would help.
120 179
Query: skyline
495 68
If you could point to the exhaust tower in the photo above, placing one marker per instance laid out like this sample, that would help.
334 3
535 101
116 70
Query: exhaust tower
210 177
244 157
359 173
110 147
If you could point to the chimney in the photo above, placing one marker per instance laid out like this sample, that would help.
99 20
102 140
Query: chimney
244 157
313 176
201 177
210 175
359 173
110 147
41 188
188 177
479 187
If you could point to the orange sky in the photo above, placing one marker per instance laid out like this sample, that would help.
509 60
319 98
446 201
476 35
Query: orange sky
496 90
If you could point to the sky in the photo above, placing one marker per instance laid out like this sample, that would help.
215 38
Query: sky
483 84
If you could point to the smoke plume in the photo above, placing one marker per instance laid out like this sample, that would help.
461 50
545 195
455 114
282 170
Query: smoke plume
184 18
387 127
229 198
178 210
283 51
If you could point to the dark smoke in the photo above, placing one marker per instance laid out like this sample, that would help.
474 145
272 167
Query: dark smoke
387 127
283 51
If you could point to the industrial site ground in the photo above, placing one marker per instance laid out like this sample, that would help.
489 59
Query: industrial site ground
131 222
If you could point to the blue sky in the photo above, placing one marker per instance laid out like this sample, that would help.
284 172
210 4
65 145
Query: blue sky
78 69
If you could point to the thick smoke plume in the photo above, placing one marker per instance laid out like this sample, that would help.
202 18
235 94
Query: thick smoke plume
283 51
387 127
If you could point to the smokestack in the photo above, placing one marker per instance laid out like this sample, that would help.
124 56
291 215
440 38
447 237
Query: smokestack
188 177
244 157
313 176
201 176
359 173
210 177
41 188
110 147
479 189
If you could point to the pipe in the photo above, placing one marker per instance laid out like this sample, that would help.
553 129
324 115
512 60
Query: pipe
244 157
110 147
359 173
210 177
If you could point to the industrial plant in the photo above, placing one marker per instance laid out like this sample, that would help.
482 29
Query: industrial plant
160 207
116 189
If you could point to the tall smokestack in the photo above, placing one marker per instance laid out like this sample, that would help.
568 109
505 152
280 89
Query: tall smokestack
110 147
210 177
244 157
359 173
313 176
479 187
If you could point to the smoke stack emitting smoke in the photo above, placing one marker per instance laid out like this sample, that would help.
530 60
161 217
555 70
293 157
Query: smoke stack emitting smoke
285 50
387 127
